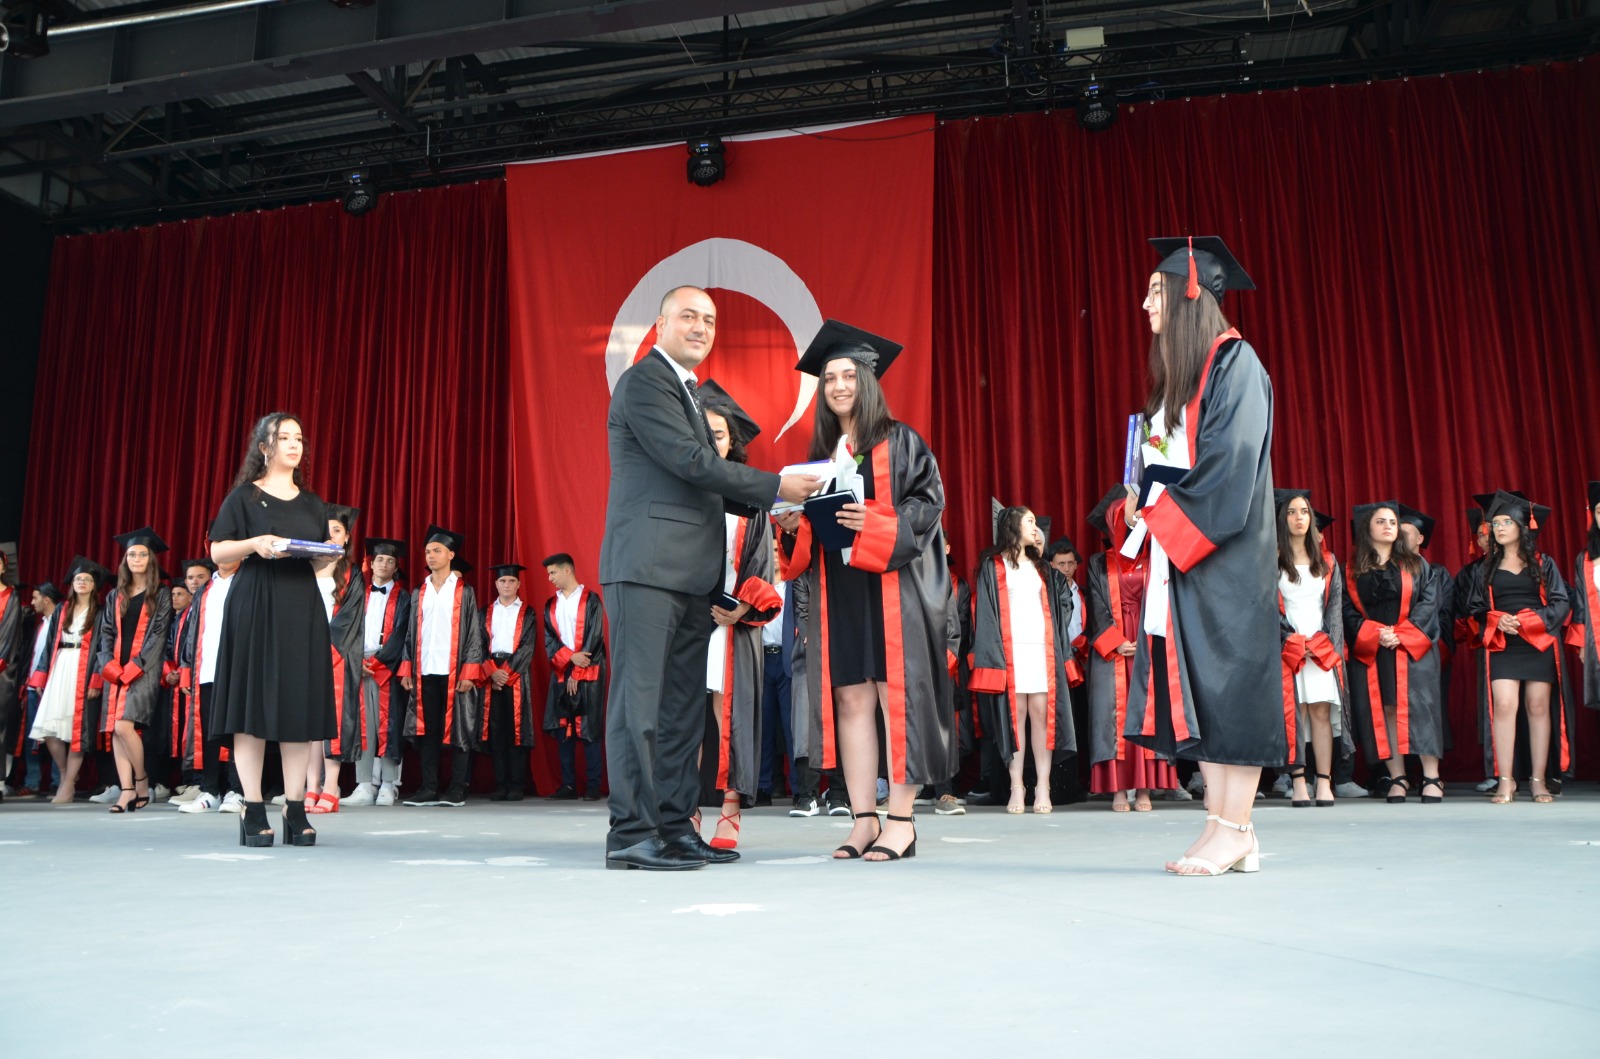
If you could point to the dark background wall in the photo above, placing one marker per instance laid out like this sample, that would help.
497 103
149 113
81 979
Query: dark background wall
24 270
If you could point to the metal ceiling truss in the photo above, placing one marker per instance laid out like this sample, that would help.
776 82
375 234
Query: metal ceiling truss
427 115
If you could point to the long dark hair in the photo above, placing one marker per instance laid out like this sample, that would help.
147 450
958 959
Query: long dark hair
67 609
873 418
152 576
736 439
1008 542
1594 541
1527 549
1178 353
265 432
1286 566
1366 557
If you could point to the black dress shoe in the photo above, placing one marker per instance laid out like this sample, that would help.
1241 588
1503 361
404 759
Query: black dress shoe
514 794
653 854
763 798
695 846
564 793
500 795
591 795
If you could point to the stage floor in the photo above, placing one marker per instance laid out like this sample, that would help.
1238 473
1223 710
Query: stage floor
1463 929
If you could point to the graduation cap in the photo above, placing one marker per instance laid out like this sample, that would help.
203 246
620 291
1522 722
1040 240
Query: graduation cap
1516 506
461 566
207 563
1363 514
1594 494
145 536
1205 261
837 340
1474 519
1097 517
48 591
718 400
439 535
1044 523
386 546
1424 524
507 570
1323 521
83 565
345 516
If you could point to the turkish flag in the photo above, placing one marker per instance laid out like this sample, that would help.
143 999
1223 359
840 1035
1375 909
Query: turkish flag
831 223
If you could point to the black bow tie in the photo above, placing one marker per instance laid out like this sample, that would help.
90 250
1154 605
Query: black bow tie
382 590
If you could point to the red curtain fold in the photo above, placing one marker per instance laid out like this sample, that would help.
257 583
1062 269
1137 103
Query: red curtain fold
1425 308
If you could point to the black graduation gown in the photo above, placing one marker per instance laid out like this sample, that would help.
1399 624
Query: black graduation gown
14 662
1445 586
966 723
1324 648
196 727
462 721
902 546
348 632
744 664
1222 699
1110 674
86 708
1544 627
582 715
519 667
383 667
992 675
1466 636
133 692
1585 601
1419 712
805 673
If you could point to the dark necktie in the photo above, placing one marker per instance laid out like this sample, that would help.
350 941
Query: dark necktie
700 410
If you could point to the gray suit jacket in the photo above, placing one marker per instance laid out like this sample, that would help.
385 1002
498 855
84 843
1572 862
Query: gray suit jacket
664 524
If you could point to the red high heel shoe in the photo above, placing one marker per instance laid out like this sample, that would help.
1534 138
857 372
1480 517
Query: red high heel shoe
727 843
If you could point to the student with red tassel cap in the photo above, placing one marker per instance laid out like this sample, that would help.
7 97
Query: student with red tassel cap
1585 594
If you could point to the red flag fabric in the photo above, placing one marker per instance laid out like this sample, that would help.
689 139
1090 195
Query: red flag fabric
827 223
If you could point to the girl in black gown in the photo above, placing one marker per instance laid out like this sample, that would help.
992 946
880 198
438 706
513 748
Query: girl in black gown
131 644
274 664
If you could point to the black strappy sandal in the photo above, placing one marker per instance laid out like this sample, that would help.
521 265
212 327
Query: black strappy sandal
910 850
138 801
850 852
118 808
1298 803
1324 803
1432 781
1403 785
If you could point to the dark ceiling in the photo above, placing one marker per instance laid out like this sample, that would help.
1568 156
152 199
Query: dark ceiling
159 109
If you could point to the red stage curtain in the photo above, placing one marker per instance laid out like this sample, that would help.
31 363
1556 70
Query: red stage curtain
1424 251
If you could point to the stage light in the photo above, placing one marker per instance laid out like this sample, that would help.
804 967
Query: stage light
25 28
1097 107
360 196
707 161
351 3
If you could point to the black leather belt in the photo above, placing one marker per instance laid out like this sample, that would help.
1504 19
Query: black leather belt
772 648
500 656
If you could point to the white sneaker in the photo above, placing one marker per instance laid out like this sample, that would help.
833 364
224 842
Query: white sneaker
5 789
1280 786
107 796
278 800
186 794
364 794
232 802
1350 789
1489 783
160 794
200 803
387 795
1178 794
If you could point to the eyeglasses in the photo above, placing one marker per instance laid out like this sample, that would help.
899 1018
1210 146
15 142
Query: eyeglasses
1502 523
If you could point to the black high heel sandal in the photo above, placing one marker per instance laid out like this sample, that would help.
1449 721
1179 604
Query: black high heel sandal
131 806
1323 803
910 850
1432 781
253 828
1298 803
850 852
1401 784
299 828
138 801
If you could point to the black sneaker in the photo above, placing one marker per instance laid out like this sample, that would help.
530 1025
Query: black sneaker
421 798
763 798
563 793
500 795
455 796
805 805
514 794
838 808
591 795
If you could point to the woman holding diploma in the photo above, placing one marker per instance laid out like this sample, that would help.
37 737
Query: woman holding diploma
1206 680
882 617
274 664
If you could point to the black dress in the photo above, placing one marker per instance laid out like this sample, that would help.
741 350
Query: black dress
855 618
274 663
1520 660
1379 590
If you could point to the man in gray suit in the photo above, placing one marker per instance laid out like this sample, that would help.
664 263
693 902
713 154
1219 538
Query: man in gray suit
660 562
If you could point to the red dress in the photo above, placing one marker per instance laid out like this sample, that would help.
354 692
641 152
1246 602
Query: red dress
1138 768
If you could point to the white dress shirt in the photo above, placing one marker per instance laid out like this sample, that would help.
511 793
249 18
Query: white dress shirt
1075 624
436 606
772 631
377 605
567 617
503 627
214 606
41 642
325 589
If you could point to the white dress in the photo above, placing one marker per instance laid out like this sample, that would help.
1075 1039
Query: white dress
1024 590
717 655
59 701
1302 605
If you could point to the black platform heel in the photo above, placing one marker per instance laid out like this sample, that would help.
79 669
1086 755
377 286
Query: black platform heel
253 828
1401 784
850 852
298 827
910 850
1323 803
1435 782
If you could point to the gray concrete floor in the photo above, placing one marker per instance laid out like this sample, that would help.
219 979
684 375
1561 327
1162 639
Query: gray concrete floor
1465 929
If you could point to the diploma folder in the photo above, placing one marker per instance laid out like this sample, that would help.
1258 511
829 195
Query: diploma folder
296 549
823 513
1154 473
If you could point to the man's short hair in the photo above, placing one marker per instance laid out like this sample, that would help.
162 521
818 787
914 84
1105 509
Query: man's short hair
667 297
558 559
1061 546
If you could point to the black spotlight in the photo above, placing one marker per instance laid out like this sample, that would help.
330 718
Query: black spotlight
25 28
1097 107
707 161
360 196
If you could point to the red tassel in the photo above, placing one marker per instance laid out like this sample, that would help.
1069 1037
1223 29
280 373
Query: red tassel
1193 291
